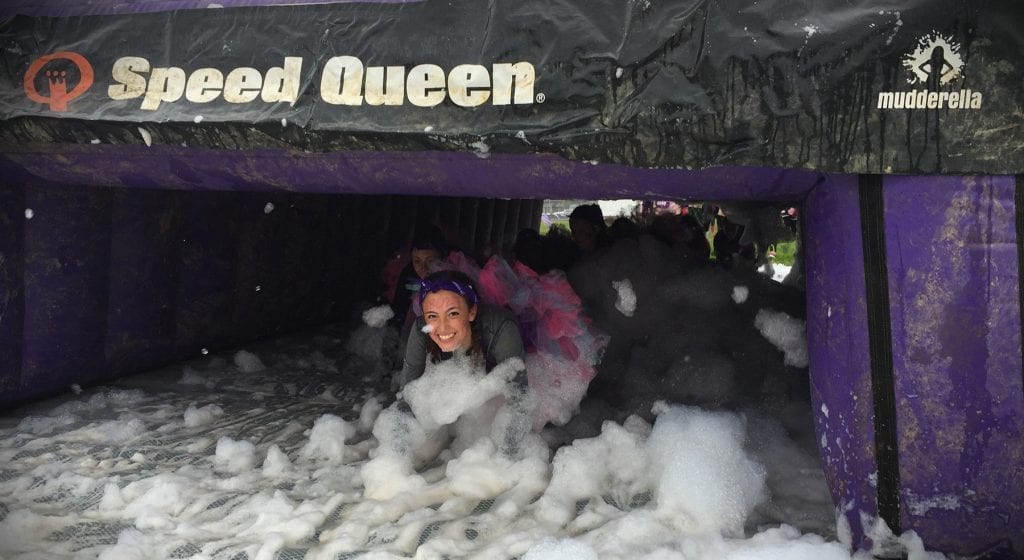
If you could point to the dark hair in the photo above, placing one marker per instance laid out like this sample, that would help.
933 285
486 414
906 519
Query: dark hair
429 237
529 250
590 213
446 277
623 228
559 250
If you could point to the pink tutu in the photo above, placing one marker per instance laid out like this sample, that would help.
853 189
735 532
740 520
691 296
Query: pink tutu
562 346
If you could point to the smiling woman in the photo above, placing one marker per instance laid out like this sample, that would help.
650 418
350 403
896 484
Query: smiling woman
449 318
455 321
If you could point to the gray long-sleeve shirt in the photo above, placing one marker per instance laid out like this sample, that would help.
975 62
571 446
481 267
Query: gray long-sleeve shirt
499 336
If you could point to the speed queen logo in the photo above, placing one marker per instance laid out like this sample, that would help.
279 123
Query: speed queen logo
55 72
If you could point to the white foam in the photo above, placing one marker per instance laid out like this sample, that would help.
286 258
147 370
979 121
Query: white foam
680 490
248 362
276 463
113 431
740 294
131 545
787 333
625 300
377 317
565 549
452 387
195 417
368 414
327 439
234 456
706 482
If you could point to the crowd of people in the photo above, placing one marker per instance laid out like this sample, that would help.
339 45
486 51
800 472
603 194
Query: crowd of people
564 310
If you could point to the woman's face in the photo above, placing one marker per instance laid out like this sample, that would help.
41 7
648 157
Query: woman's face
449 317
421 259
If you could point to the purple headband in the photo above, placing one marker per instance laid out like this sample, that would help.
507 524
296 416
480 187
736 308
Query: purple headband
464 290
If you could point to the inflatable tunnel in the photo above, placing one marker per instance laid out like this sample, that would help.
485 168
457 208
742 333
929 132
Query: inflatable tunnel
176 178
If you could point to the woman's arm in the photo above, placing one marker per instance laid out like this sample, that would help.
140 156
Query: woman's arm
415 354
501 338
506 341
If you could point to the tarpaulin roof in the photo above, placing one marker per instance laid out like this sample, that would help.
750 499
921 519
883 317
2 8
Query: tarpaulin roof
926 87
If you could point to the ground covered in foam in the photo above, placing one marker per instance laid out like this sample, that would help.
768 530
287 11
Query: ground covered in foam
262 455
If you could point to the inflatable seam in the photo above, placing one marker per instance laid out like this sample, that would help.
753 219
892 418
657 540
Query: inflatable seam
1018 205
876 276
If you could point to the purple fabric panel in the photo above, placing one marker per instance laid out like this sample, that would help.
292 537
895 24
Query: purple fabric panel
204 301
59 8
12 300
67 265
837 337
415 173
280 278
301 246
145 245
957 359
261 273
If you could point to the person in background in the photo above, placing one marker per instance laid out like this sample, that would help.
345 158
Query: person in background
529 250
589 231
623 228
559 250
428 246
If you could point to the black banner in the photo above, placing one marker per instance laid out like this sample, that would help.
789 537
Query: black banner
838 86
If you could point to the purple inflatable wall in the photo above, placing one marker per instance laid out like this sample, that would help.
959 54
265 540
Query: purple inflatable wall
101 282
839 355
928 437
954 286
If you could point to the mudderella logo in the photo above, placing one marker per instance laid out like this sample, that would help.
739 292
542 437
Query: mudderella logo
55 73
933 64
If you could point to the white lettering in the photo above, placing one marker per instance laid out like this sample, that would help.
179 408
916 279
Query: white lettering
425 86
342 80
513 83
242 85
282 84
204 85
345 80
469 85
129 84
165 84
385 91
924 99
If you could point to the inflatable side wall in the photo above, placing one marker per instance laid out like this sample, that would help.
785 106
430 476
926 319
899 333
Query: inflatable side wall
103 282
914 323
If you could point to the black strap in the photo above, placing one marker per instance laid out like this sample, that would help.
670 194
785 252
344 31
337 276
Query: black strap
1018 205
876 275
